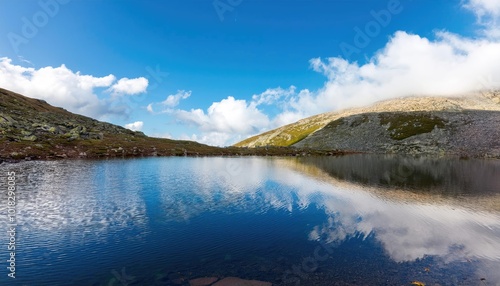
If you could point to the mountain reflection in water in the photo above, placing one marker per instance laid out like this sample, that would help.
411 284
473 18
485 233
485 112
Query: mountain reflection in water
378 219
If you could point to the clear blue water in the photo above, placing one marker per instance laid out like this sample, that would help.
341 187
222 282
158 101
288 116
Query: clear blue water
354 220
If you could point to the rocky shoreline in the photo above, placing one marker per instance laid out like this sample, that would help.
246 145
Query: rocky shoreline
32 129
60 153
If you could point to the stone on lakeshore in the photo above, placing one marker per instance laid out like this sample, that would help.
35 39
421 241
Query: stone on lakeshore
234 281
29 138
204 281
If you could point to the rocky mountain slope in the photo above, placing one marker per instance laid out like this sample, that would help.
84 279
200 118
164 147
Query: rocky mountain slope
33 129
467 126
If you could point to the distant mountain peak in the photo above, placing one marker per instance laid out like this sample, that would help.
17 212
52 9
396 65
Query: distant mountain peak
475 114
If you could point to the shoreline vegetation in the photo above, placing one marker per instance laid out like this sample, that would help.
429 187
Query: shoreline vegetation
32 129
80 151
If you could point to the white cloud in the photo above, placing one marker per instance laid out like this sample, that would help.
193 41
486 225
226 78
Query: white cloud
484 7
228 115
409 64
210 138
225 120
174 99
127 86
286 117
488 15
273 95
135 126
169 103
230 120
62 87
162 135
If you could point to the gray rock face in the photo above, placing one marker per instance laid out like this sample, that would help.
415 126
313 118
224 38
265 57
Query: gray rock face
291 134
468 133
27 119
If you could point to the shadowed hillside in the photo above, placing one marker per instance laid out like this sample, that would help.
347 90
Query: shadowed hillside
465 126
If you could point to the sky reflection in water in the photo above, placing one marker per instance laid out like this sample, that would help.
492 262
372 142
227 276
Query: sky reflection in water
258 218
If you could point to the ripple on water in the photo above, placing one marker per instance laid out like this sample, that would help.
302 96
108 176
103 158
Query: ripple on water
399 219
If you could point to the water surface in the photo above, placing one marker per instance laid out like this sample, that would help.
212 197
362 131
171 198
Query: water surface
353 220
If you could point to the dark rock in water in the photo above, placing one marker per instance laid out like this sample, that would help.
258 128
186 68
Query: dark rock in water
176 278
235 281
203 281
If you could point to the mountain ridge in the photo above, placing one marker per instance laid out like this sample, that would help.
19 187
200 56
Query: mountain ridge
32 129
429 116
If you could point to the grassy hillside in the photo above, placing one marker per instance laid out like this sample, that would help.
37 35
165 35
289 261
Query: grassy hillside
33 129
286 135
466 125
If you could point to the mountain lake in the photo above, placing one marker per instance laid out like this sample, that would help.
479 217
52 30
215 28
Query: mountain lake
348 220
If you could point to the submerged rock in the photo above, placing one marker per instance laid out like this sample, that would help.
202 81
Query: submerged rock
235 281
203 281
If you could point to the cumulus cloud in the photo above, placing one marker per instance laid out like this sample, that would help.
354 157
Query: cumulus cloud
135 126
488 15
62 87
408 65
174 99
230 120
228 116
209 138
483 8
127 86
273 95
169 103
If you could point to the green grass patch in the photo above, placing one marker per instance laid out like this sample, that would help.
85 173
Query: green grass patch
294 135
334 124
404 125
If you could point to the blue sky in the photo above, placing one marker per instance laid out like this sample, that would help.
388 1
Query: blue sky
219 71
